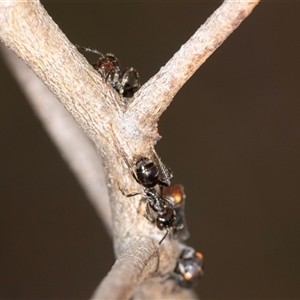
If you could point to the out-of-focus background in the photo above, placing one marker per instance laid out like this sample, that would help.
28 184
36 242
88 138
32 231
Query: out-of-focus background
231 137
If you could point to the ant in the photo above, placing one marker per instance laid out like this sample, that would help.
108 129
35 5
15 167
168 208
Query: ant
188 270
176 194
108 67
149 174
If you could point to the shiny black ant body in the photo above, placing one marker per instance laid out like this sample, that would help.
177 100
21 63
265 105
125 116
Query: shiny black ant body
188 270
108 67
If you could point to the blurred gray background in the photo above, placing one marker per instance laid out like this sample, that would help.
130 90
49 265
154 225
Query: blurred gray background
231 137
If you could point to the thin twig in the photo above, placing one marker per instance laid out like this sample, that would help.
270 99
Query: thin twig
158 92
139 259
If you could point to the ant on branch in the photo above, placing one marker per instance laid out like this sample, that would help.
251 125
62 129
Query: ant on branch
166 208
161 209
150 174
108 67
188 270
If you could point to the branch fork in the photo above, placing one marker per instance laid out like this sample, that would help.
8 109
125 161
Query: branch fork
29 31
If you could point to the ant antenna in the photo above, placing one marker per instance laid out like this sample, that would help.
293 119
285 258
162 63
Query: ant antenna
159 245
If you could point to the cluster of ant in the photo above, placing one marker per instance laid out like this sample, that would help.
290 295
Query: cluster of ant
165 208
164 203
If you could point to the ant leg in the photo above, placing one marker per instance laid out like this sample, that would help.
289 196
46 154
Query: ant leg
129 195
110 73
163 238
126 74
113 77
148 215
124 82
158 248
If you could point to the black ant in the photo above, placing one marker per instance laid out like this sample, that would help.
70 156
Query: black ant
188 270
149 174
108 67
176 194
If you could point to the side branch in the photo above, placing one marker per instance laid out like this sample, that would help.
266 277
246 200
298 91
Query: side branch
156 94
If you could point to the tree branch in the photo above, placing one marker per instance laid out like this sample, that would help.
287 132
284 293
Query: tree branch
73 144
31 33
160 90
138 259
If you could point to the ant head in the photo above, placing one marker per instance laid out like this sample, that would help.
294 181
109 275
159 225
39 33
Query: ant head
147 172
162 223
108 64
